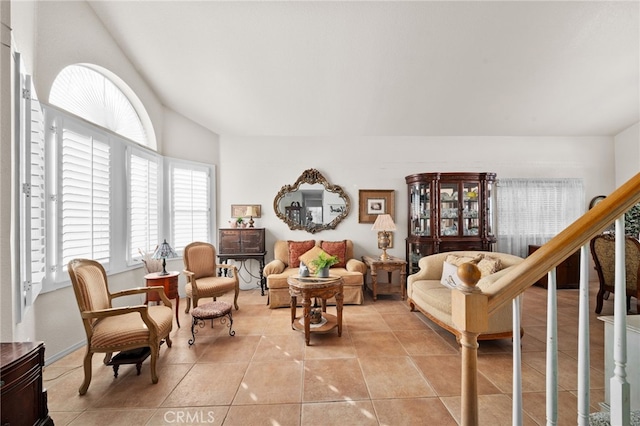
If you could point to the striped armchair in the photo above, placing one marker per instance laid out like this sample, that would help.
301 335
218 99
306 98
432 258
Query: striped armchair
110 329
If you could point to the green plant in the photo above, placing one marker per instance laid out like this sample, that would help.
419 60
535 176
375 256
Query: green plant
324 260
239 220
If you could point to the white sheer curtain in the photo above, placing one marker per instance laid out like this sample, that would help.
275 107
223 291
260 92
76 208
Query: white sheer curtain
532 211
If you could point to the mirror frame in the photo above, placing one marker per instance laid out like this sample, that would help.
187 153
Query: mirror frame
312 176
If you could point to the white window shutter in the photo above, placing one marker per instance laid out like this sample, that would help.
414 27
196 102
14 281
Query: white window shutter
190 208
86 196
143 204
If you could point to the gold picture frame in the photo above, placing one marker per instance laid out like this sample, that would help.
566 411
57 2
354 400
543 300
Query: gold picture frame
373 202
390 239
240 210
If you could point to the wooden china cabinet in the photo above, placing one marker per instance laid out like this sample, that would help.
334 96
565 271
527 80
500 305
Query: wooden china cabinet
447 212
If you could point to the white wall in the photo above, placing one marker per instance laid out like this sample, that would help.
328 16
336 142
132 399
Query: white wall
627 146
268 163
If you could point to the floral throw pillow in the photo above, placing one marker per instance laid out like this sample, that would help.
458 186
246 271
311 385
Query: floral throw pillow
297 249
336 248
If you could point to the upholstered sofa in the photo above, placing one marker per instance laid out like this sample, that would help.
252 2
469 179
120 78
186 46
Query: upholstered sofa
427 292
286 262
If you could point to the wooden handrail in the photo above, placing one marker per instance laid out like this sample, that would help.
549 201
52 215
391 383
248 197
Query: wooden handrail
551 254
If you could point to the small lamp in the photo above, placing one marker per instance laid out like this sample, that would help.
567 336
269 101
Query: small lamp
164 252
251 212
384 223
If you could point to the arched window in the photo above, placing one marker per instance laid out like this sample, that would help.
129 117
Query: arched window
90 94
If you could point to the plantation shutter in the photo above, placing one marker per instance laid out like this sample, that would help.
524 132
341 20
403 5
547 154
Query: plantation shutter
143 202
86 196
30 139
190 190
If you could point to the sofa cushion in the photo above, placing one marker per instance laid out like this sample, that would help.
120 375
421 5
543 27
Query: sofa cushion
486 264
336 248
308 257
297 249
450 275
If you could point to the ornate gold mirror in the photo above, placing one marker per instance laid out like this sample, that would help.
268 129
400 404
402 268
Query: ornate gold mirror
312 203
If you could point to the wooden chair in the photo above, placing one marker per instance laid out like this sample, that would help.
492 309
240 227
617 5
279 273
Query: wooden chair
603 252
202 278
111 329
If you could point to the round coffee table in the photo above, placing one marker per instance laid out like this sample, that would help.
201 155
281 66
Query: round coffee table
312 287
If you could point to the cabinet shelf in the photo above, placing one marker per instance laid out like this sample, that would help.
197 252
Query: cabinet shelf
449 211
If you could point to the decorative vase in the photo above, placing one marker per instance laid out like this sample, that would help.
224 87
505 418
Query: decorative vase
323 272
232 224
304 270
315 316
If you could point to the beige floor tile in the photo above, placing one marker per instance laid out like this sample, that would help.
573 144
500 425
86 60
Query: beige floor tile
271 382
443 374
268 415
403 321
494 410
113 417
534 404
333 380
288 347
412 411
567 370
386 369
394 377
424 342
377 343
207 384
229 349
359 413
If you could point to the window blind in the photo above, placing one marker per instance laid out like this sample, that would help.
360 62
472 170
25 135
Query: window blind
190 208
86 196
143 204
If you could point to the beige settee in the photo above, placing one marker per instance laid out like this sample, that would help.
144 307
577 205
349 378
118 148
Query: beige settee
283 265
426 293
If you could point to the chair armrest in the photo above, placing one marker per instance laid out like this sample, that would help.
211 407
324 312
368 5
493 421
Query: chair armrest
139 290
274 267
355 265
112 312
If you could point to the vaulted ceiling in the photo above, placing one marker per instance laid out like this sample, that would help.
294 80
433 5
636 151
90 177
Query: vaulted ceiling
388 68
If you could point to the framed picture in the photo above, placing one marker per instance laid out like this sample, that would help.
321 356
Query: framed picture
374 202
240 210
390 239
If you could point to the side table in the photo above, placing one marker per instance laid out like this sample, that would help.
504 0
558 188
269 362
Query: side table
311 287
170 284
389 266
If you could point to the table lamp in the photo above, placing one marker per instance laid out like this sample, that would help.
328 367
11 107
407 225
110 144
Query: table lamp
164 252
384 224
251 212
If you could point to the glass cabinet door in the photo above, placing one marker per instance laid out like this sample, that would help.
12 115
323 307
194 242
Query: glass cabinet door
449 209
420 209
470 208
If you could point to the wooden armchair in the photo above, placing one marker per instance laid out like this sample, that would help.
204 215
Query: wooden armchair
110 329
202 278
603 252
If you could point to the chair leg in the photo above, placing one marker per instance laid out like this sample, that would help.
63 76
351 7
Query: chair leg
107 358
599 301
168 340
154 357
87 372
235 298
186 311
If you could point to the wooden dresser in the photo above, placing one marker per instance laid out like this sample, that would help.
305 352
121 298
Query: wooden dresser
567 273
23 400
243 244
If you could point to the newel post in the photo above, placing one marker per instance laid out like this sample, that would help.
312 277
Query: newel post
469 314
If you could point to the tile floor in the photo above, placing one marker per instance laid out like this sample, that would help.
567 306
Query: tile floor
390 367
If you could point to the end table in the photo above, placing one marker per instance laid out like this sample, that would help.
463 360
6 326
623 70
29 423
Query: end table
392 264
170 284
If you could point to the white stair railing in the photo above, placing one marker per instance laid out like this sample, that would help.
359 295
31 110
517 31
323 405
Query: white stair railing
584 360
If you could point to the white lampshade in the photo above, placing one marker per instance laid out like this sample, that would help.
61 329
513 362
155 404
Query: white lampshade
251 211
384 223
